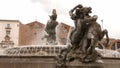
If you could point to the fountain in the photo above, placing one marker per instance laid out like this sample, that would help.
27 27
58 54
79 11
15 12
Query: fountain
80 51
50 28
108 53
34 50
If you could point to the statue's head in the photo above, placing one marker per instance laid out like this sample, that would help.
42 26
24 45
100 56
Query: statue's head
87 10
78 11
54 15
54 11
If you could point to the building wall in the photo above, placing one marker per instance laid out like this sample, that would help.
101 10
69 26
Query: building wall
24 35
30 34
14 34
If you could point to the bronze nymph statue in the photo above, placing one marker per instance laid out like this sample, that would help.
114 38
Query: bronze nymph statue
83 37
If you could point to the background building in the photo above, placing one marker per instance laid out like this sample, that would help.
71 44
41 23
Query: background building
31 33
14 33
9 32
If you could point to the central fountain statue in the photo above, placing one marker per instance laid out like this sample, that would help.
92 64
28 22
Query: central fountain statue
50 28
83 37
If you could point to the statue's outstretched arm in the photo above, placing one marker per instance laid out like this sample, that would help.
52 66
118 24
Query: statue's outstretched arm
71 11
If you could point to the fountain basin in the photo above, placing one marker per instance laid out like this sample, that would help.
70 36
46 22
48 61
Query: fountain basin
27 62
50 62
44 57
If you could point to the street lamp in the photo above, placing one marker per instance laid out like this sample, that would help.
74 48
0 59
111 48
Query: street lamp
102 23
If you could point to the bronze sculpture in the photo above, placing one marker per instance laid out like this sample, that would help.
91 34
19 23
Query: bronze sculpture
84 37
50 28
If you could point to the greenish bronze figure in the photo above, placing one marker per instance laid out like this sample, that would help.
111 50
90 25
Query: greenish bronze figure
83 37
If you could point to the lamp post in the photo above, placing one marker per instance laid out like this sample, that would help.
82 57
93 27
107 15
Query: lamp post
102 24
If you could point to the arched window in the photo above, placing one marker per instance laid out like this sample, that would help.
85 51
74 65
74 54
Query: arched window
8 25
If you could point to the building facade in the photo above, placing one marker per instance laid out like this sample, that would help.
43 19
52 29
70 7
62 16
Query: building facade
9 32
31 33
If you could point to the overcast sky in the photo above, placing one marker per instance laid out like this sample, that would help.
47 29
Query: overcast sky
30 10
